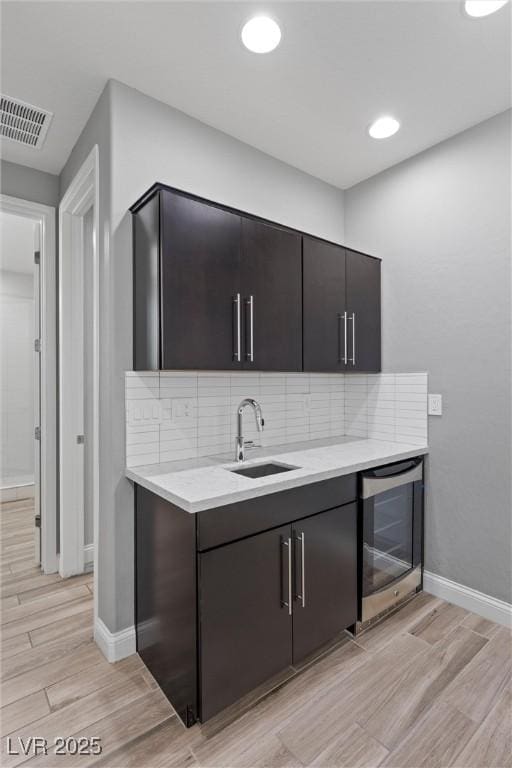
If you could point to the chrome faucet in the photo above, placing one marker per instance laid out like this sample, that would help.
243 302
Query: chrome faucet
240 443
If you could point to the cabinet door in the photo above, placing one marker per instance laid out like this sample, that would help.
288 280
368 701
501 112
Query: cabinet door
200 280
272 292
363 306
325 324
245 628
325 578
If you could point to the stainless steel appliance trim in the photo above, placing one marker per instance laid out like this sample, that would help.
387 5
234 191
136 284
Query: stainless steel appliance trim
374 485
385 598
236 353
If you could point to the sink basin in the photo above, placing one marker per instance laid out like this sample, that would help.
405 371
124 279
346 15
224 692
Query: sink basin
262 470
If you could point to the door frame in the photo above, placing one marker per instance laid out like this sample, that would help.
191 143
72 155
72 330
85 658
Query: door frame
44 215
80 196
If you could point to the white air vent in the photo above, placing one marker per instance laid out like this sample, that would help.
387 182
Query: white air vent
23 122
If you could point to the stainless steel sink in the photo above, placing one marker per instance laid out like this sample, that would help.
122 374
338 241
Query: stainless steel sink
262 470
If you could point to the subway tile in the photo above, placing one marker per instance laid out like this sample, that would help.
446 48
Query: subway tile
411 439
146 459
139 438
178 454
411 397
205 382
177 374
296 407
141 448
134 430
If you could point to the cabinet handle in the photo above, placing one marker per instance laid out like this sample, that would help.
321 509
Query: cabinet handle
236 353
250 353
288 544
302 596
353 358
342 358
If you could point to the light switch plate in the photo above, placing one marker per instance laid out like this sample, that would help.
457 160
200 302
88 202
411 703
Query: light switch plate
143 412
435 405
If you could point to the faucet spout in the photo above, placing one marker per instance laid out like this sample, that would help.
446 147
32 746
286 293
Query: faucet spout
260 423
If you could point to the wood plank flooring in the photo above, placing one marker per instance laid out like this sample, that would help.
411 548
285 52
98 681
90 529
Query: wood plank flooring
431 686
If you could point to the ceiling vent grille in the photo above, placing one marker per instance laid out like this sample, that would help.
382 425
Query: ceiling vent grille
23 122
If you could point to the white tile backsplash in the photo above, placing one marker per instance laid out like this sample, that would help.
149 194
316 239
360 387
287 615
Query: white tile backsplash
176 415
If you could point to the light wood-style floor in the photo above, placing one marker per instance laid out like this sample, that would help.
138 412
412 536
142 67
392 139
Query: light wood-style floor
430 686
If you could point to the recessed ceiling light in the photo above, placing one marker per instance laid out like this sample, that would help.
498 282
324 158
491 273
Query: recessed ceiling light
384 127
261 34
479 8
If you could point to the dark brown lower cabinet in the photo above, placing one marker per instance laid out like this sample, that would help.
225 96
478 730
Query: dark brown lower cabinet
245 630
215 622
325 578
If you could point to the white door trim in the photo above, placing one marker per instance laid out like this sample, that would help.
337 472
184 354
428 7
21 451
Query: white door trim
44 215
82 193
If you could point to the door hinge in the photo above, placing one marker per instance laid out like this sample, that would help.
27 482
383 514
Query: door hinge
37 433
37 257
37 521
37 345
80 439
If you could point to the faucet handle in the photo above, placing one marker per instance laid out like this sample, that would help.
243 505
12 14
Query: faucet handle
251 444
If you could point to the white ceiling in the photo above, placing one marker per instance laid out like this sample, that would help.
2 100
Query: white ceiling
17 240
309 103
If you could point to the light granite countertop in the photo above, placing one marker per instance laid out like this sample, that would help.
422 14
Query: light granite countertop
199 484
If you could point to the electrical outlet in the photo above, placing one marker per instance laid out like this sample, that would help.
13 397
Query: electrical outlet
435 405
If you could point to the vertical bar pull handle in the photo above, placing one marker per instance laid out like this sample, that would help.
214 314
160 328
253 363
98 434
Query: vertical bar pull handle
288 604
302 596
353 358
342 358
250 353
236 352
290 577
345 335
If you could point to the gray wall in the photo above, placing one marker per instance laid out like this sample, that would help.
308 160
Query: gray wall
441 223
142 141
29 184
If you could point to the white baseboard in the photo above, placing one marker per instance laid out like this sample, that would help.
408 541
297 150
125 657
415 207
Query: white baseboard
477 602
114 645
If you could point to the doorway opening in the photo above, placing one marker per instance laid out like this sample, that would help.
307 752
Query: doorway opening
19 370
28 379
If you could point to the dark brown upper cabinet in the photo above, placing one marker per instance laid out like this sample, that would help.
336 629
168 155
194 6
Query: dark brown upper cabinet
272 297
363 308
324 306
341 311
199 280
213 289
218 289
